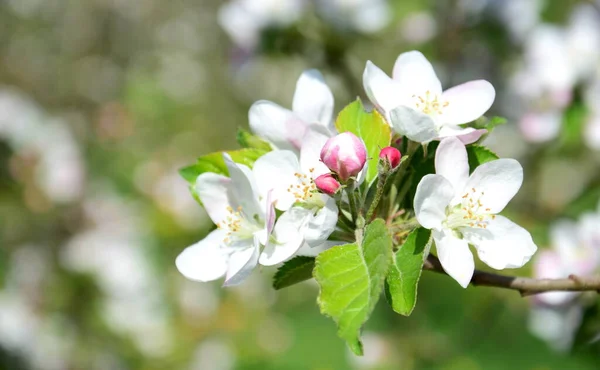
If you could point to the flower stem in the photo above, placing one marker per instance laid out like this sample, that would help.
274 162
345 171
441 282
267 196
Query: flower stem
381 180
352 201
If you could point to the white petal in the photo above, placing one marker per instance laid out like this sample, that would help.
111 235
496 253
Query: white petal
539 127
413 71
467 135
215 192
548 265
415 125
242 262
383 92
564 236
278 125
243 189
310 153
288 236
455 256
205 260
433 194
451 162
322 224
313 100
503 244
309 251
274 172
498 180
467 102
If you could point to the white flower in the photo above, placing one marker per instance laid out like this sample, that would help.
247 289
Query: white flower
245 222
313 104
415 106
461 210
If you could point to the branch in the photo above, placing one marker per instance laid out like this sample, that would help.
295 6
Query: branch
525 286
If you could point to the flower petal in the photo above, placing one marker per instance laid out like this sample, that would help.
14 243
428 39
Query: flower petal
275 171
467 135
434 193
413 71
415 125
242 262
467 102
313 100
322 224
455 256
539 127
498 181
503 244
451 162
310 153
205 260
278 125
288 236
383 92
309 251
243 189
215 192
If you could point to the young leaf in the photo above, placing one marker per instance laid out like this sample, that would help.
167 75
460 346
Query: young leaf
293 272
351 278
247 140
405 272
214 162
479 155
370 127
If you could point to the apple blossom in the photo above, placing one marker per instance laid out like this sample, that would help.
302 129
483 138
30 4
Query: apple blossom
415 106
327 184
461 210
345 154
284 128
391 155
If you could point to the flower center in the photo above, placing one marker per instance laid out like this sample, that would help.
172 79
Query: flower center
304 189
237 226
430 103
470 212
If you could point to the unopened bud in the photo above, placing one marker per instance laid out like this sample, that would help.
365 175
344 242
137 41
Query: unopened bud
391 155
327 184
344 154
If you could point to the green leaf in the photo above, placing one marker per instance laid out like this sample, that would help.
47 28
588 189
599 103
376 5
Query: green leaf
214 162
351 278
405 272
479 155
370 127
247 140
293 272
489 123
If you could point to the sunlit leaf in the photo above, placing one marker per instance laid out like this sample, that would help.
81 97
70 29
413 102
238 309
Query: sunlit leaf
479 155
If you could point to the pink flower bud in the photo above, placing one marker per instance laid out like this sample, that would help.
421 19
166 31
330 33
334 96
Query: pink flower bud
344 154
327 184
391 155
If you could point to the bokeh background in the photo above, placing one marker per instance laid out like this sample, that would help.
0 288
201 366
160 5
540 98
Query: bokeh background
101 101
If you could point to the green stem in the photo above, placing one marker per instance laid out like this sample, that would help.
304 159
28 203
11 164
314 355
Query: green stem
352 201
381 180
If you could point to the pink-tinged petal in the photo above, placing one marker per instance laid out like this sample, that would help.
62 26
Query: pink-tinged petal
243 189
275 171
455 256
313 100
496 182
467 135
434 193
322 224
467 102
278 125
503 244
270 217
205 260
415 125
310 153
382 91
548 265
344 154
451 162
288 237
539 127
242 262
215 192
415 73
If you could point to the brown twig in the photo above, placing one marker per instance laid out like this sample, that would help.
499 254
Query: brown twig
525 286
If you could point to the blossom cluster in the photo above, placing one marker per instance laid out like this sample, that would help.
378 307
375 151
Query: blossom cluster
306 188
